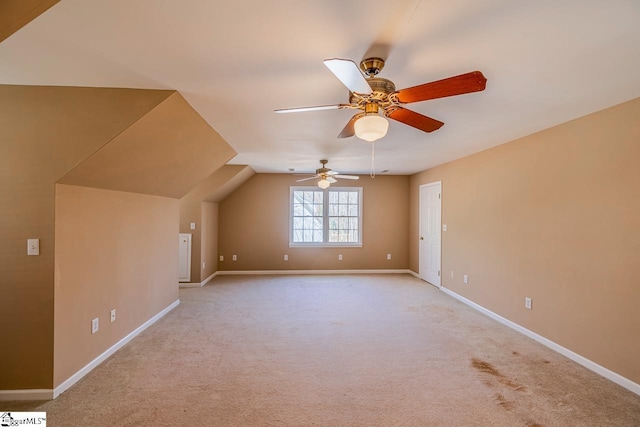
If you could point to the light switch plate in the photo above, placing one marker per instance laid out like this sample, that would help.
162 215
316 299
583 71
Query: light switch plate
192 225
33 246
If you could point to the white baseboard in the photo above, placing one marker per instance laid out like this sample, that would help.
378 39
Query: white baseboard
47 394
593 366
117 346
414 274
198 284
281 272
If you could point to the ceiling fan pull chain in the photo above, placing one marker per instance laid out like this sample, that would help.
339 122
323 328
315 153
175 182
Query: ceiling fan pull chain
373 157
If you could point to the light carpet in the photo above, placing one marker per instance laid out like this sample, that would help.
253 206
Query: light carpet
351 350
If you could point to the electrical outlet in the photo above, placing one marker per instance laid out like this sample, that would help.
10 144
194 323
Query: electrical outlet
465 279
444 227
339 257
203 264
95 325
113 315
234 257
286 257
221 257
452 274
527 303
388 256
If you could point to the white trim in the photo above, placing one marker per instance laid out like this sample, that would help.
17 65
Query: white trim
32 394
198 284
117 346
593 366
280 272
414 274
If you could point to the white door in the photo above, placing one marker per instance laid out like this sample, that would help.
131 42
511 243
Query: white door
430 210
184 258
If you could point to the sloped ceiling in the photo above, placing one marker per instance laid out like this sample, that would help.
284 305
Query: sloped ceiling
219 184
15 14
45 132
546 62
166 153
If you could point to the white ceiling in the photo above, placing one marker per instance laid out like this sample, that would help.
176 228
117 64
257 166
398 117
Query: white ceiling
546 62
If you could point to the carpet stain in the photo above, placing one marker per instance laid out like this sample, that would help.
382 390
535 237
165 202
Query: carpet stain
487 368
504 403
515 353
532 424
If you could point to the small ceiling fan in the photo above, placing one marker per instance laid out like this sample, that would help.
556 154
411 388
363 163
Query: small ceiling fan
326 176
373 95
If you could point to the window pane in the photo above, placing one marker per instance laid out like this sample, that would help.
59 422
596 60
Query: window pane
344 223
353 197
317 197
333 210
308 196
317 223
353 223
333 236
298 196
297 236
297 209
297 223
353 235
308 223
333 223
317 236
308 235
333 197
317 210
353 210
343 210
343 197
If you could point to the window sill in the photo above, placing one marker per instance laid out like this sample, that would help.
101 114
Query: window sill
322 245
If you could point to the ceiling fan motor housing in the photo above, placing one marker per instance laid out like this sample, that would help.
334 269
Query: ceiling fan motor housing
372 66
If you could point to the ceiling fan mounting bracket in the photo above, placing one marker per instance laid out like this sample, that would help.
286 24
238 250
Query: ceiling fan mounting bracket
372 66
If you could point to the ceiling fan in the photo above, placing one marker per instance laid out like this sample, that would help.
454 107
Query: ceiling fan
326 176
373 95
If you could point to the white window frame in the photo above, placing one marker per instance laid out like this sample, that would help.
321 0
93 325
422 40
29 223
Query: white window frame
325 222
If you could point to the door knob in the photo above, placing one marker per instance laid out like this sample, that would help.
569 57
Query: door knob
421 238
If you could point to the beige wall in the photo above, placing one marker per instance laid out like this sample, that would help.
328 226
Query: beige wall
554 216
86 137
44 133
254 225
209 244
204 241
113 250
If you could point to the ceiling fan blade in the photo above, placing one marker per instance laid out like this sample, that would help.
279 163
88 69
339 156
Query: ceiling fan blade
349 130
307 179
474 81
349 74
346 176
331 179
316 108
417 120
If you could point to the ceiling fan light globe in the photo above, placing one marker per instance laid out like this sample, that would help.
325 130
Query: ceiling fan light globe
323 183
371 127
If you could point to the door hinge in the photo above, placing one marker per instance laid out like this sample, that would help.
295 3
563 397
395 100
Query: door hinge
438 273
438 195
